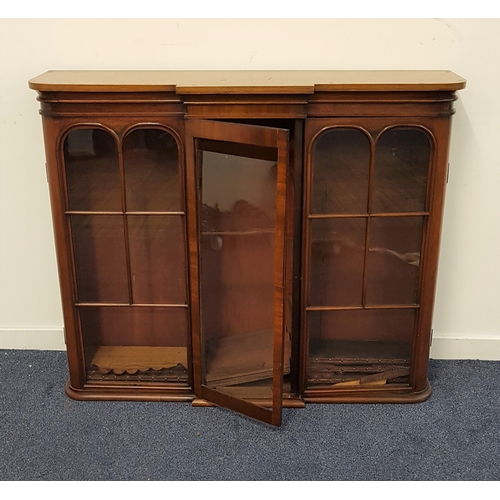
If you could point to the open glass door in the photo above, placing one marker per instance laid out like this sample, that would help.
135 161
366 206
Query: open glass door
237 260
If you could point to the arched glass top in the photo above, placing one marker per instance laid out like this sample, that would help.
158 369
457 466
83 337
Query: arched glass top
341 162
400 177
92 170
151 165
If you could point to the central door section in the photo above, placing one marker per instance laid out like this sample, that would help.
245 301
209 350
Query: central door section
240 175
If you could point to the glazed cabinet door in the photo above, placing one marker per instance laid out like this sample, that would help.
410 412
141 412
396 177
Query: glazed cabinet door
237 198
125 216
366 214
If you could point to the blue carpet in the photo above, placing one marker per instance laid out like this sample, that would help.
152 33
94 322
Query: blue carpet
455 435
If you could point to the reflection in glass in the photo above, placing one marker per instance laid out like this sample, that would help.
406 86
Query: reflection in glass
150 158
157 259
359 347
135 343
394 260
337 260
340 166
400 177
92 172
237 225
99 256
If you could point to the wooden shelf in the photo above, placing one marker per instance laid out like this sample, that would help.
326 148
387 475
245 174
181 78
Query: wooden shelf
241 359
133 359
349 363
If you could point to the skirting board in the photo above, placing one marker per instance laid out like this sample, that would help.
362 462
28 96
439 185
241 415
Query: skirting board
465 348
52 339
41 339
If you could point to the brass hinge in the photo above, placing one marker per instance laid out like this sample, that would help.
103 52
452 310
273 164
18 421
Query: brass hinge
432 334
46 172
448 173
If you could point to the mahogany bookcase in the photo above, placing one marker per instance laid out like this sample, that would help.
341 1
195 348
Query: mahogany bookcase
250 239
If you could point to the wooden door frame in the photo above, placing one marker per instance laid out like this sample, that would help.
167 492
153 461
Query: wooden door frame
253 135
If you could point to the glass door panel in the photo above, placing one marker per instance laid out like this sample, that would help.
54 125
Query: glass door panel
136 344
241 215
238 229
337 261
99 257
157 259
394 260
126 215
357 348
366 220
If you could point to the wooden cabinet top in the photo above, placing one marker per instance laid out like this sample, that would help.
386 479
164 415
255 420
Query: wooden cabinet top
246 81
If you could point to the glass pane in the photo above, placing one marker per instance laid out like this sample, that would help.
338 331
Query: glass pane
92 172
402 159
157 259
99 253
135 343
237 224
394 260
337 261
150 158
340 166
359 348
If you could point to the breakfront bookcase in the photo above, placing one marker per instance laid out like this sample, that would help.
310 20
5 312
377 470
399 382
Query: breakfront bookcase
249 239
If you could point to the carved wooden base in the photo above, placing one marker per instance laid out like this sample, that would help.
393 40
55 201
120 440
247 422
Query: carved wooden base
344 396
373 396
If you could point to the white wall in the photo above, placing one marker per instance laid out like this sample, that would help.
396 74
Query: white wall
467 306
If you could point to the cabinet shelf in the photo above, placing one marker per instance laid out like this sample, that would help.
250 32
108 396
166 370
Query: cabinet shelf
349 363
139 363
243 358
